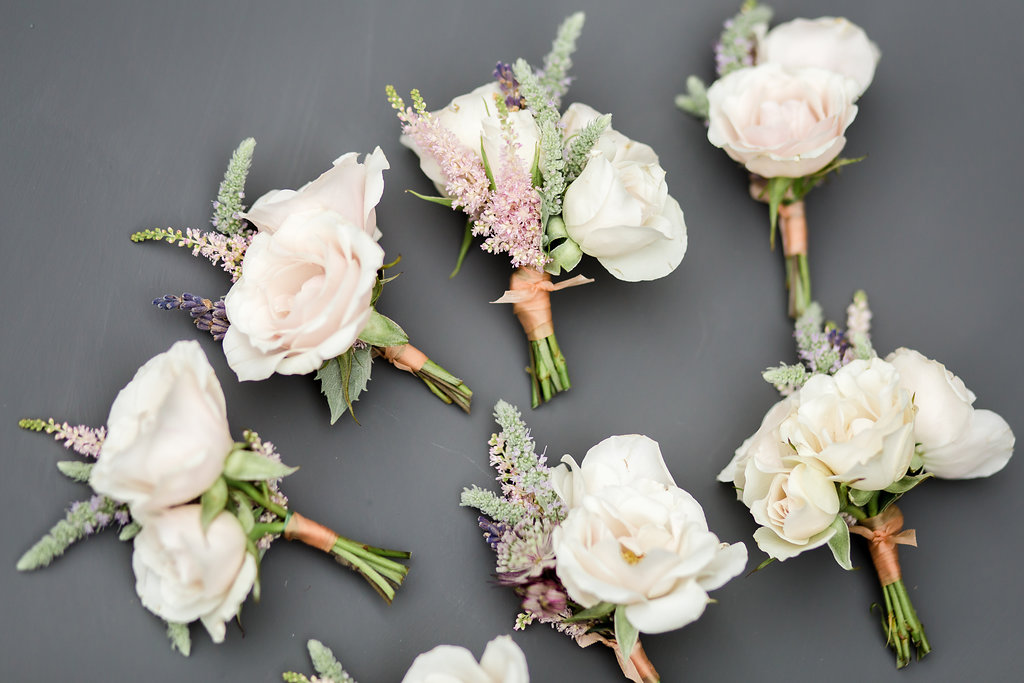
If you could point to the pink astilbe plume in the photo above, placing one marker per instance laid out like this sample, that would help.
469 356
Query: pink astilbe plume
511 221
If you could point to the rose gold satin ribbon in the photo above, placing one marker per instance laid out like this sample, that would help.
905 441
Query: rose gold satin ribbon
883 533
530 295
638 668
793 226
311 533
792 220
405 357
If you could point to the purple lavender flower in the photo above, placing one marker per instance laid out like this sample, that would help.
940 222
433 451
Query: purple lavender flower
209 316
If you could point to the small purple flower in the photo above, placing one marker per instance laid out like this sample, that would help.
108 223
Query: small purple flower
544 599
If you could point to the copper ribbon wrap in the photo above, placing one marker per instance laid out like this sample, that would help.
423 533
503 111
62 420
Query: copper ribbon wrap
883 531
299 528
530 295
793 227
638 668
405 357
792 220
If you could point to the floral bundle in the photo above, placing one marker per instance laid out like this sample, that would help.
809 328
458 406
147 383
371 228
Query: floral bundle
780 107
545 188
201 508
853 434
602 550
307 273
502 662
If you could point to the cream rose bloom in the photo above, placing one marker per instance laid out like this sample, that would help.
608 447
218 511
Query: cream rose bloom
958 441
473 118
646 546
795 507
633 538
502 662
349 189
303 297
779 121
167 434
182 574
619 210
858 423
832 43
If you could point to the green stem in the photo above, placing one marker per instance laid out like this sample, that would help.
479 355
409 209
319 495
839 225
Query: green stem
258 497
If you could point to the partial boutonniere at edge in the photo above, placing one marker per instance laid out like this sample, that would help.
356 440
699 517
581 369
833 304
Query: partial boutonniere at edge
602 550
780 107
200 508
545 188
307 274
853 435
502 662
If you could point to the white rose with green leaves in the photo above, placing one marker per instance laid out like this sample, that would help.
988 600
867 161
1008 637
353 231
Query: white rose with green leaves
167 434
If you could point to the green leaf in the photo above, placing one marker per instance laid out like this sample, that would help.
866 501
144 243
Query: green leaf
443 201
536 178
245 465
212 502
359 374
761 566
695 100
382 331
776 189
565 256
179 637
75 470
861 498
329 375
129 531
487 165
243 511
626 634
906 483
839 544
598 611
467 242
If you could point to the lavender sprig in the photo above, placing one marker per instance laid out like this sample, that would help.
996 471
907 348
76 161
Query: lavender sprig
228 207
228 251
84 518
209 316
736 47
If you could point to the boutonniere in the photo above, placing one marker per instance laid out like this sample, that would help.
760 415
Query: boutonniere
307 273
200 508
781 106
853 434
544 187
602 550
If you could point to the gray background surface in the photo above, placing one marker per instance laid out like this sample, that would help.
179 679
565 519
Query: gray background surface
118 116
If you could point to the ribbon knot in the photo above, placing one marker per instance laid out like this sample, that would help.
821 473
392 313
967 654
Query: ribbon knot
530 295
405 357
883 532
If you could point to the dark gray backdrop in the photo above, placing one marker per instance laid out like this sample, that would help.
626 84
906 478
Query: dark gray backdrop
120 115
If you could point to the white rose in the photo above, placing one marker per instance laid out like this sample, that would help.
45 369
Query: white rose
616 460
646 546
167 434
502 662
859 423
829 43
473 119
303 297
182 574
781 122
349 188
958 442
795 508
618 210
